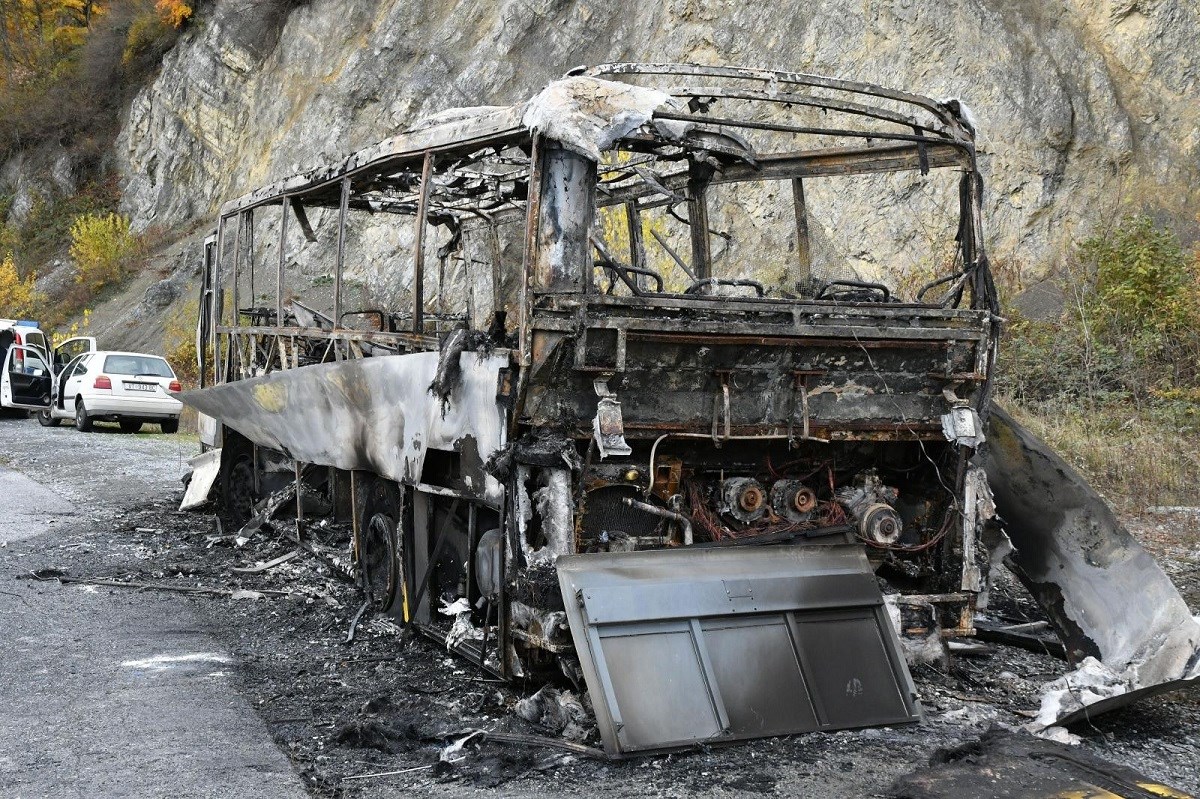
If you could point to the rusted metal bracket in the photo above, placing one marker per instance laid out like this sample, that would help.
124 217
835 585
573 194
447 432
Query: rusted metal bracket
721 408
800 396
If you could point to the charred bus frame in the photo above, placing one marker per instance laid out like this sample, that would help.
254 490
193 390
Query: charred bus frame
627 417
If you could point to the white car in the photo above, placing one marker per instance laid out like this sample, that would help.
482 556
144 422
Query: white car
129 388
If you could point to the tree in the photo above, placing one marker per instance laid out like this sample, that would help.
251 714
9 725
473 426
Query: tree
17 296
101 245
173 12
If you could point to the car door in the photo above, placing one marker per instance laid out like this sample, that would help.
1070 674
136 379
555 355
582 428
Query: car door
71 349
25 381
63 385
37 340
72 383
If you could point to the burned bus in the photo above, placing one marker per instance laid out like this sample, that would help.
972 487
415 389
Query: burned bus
660 380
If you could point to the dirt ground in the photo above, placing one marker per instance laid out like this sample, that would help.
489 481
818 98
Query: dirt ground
392 701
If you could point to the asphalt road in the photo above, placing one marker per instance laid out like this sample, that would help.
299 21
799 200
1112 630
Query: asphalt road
109 692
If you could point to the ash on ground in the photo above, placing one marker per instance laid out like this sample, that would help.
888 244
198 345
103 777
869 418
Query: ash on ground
392 710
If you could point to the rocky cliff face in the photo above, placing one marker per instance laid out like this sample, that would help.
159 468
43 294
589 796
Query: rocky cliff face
1084 106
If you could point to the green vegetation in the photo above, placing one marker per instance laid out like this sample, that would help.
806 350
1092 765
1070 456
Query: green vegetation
1113 382
179 342
68 68
101 246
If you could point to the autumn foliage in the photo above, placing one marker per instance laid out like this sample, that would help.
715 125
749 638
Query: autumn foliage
102 247
173 12
17 295
67 67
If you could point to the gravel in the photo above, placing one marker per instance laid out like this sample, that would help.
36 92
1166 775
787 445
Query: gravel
394 701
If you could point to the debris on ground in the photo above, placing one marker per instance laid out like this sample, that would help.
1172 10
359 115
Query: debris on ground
1007 765
557 712
370 717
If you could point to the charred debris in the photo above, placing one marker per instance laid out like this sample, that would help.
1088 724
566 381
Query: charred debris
633 416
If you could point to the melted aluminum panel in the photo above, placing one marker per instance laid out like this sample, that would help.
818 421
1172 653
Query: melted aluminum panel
683 647
376 414
1104 593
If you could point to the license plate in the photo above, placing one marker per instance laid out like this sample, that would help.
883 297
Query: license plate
142 386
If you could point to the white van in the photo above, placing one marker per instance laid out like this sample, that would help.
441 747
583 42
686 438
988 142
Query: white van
24 354
28 365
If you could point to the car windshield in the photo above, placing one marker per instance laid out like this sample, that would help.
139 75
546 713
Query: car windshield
137 365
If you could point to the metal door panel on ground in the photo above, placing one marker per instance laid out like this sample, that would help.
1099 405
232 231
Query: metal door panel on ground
681 647
25 379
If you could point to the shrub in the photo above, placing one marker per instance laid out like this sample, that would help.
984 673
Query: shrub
17 296
1145 304
46 230
1130 328
179 343
173 12
152 31
1112 384
101 246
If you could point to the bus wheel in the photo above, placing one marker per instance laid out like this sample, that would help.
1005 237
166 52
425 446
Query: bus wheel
381 555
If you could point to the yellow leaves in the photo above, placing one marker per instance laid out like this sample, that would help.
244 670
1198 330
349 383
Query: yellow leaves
101 246
173 12
179 342
152 25
37 30
17 296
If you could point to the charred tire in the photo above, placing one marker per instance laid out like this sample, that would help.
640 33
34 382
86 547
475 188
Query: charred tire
83 422
169 425
381 547
237 495
46 420
129 425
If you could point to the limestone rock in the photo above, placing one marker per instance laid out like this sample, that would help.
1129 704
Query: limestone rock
1082 104
159 295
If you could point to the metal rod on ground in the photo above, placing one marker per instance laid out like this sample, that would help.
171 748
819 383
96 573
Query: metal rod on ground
354 622
183 589
387 773
299 499
551 743
354 518
262 567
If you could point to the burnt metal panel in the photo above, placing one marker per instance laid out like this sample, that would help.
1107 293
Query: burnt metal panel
373 414
682 647
1102 591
